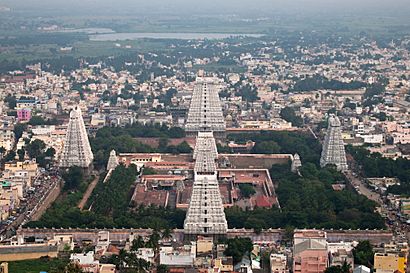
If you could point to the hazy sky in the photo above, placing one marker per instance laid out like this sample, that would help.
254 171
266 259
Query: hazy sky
217 6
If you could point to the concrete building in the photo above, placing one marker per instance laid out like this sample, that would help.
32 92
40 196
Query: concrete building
23 115
205 111
278 263
86 261
333 151
389 262
361 269
310 251
77 149
7 139
180 256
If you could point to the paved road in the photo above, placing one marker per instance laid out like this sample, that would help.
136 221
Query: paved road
43 184
361 187
88 192
400 229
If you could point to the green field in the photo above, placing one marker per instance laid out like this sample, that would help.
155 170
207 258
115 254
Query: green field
35 266
80 49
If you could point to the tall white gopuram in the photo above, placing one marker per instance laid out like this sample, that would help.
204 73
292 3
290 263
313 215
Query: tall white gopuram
77 149
333 150
112 161
205 214
205 112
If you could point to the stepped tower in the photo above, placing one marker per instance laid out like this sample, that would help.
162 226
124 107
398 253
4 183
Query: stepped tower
333 150
77 149
112 161
205 111
205 214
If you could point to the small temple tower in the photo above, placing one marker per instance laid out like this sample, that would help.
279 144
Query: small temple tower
333 150
77 149
112 161
296 163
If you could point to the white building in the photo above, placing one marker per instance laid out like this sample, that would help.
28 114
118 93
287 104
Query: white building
278 263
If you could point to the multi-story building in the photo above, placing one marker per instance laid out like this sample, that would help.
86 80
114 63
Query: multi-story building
278 263
7 139
390 262
310 251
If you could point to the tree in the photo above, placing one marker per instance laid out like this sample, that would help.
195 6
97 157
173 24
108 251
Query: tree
19 128
154 239
36 120
73 178
345 268
266 147
35 148
246 190
50 152
11 101
237 247
166 233
137 243
248 93
288 114
184 148
363 254
73 268
162 268
10 156
21 153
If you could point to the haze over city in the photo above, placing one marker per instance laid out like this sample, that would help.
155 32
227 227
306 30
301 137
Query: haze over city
223 136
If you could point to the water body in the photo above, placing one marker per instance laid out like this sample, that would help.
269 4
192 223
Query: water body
179 36
90 30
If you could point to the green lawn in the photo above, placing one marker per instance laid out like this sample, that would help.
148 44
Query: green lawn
35 266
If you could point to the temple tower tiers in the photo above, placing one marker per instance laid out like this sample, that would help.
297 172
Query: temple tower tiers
205 214
77 149
205 112
112 161
333 150
296 163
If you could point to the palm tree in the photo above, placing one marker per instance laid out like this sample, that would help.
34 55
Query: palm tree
162 268
73 268
137 243
153 239
122 258
166 233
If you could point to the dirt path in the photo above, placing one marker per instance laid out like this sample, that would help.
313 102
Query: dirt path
88 192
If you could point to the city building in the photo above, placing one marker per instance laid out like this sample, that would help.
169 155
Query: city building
310 254
361 269
390 262
278 263
23 115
